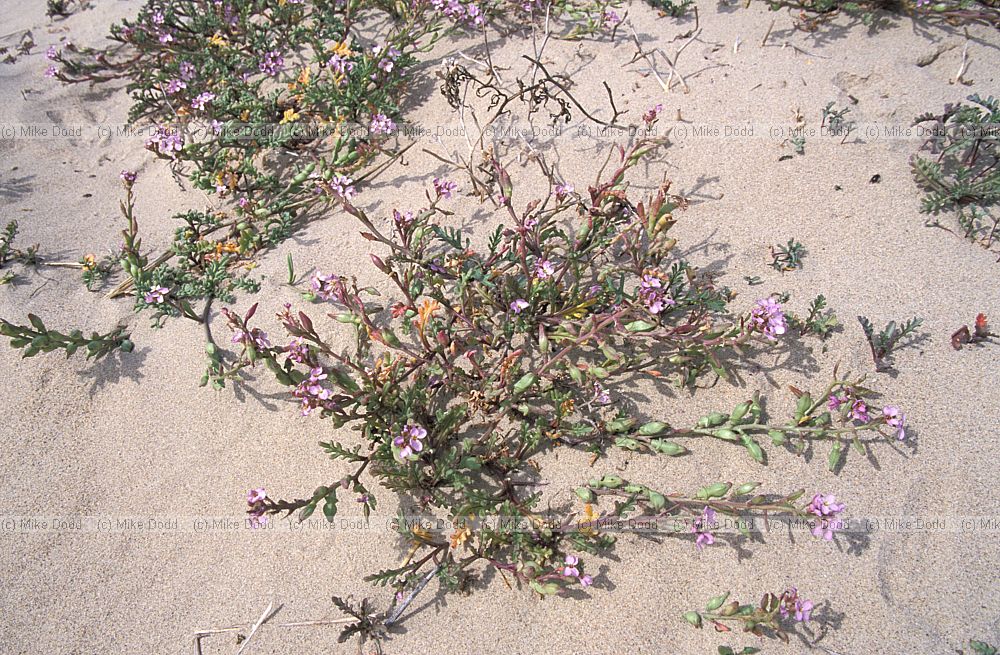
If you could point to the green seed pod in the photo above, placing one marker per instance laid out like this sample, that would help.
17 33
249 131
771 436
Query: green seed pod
390 338
657 500
627 443
524 383
730 608
802 406
640 326
777 437
726 434
653 428
755 450
739 412
716 418
715 602
745 488
611 482
620 425
126 346
717 490
543 340
634 489
585 494
594 482
667 447
694 618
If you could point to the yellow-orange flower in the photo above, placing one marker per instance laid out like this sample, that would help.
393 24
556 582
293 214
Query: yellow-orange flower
460 536
89 262
290 116
426 311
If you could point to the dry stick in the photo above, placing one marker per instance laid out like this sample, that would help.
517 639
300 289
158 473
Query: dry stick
673 64
763 41
649 60
964 64
413 594
266 616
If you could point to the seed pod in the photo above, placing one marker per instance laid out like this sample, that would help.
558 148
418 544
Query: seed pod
755 450
777 437
739 412
585 494
640 326
730 608
715 418
627 443
715 602
620 425
745 488
657 500
543 340
524 383
667 447
726 434
694 618
611 482
717 490
653 428
634 489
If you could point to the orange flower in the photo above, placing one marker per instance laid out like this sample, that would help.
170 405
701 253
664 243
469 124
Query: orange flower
426 311
460 536
89 262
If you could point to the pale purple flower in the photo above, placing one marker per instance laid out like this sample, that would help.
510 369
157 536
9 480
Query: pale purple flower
834 402
343 186
410 440
128 177
326 287
826 508
895 418
297 351
256 337
255 499
340 65
272 63
381 124
166 141
50 71
768 317
569 569
51 53
187 70
859 411
255 496
586 581
518 305
652 113
175 85
544 269
166 37
444 188
403 220
563 190
701 528
610 18
791 603
601 395
203 99
156 295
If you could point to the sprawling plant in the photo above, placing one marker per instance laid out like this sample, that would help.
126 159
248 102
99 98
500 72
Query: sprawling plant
963 176
491 356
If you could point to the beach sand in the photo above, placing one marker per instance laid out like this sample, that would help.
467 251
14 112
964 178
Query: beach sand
134 437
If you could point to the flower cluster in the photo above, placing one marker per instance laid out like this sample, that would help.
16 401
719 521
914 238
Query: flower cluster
256 513
653 295
768 318
826 507
701 528
166 141
793 605
570 570
312 394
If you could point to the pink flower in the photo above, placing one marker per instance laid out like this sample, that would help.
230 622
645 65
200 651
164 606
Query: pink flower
826 507
255 336
255 496
835 402
586 581
128 177
272 63
859 411
50 71
569 569
652 113
381 124
156 295
895 418
51 53
768 317
343 187
791 603
444 188
518 305
701 528
563 190
410 441
202 100
544 269
175 86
